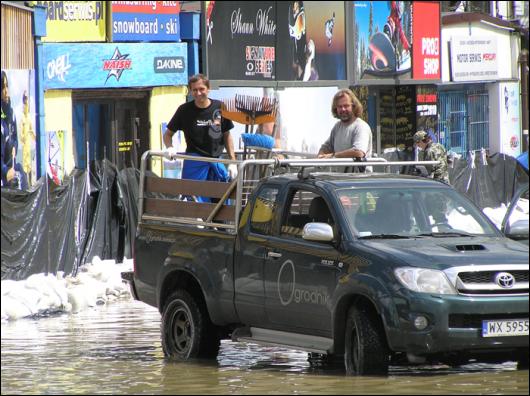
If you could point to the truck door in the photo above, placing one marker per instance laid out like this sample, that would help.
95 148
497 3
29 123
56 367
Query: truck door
299 274
254 243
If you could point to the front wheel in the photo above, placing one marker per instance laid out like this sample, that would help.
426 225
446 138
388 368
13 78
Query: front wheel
187 331
366 352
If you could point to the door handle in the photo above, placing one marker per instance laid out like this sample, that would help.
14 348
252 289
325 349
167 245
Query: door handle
274 255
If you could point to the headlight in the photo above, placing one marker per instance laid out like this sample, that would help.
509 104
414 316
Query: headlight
424 280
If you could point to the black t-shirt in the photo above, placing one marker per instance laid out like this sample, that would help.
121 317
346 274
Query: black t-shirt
203 128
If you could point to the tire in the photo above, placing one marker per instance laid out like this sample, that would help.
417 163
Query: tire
187 331
322 361
366 351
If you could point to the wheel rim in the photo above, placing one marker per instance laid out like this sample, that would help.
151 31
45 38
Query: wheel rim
182 330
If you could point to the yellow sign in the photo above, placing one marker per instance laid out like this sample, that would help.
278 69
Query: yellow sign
125 146
71 21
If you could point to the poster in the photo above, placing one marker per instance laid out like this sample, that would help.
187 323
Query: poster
55 154
304 119
383 31
311 41
405 116
19 163
240 40
275 41
427 110
387 118
426 40
509 118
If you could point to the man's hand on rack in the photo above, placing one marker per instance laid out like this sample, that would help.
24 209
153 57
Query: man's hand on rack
232 171
171 152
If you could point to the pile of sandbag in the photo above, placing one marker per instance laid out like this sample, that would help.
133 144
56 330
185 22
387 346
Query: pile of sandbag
96 283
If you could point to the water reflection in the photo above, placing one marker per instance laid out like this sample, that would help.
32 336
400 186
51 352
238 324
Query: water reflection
116 349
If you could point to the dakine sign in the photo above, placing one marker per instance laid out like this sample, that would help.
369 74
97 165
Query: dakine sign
169 64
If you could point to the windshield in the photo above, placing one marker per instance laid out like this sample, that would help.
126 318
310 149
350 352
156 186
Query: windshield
411 212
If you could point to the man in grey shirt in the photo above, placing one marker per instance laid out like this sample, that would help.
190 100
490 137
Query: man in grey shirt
351 137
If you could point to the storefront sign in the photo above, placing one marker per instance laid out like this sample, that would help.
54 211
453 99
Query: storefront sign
70 21
426 40
145 20
114 65
474 58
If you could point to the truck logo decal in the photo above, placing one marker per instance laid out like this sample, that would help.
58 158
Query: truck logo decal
505 280
288 292
286 282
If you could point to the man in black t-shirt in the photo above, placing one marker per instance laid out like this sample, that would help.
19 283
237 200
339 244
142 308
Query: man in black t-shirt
206 132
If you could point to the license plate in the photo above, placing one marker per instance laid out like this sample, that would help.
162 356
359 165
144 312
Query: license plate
505 328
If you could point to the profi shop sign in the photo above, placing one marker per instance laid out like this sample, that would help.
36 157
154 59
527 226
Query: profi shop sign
474 59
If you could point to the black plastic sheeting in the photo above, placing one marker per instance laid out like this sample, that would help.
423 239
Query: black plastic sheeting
54 228
487 180
59 228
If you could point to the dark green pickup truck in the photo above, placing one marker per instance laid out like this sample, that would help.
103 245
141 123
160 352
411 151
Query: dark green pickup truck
363 269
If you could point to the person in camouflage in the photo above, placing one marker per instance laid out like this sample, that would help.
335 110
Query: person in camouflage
433 152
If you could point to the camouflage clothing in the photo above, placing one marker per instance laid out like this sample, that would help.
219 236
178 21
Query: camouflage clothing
436 152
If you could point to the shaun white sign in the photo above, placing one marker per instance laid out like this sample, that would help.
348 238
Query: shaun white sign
474 59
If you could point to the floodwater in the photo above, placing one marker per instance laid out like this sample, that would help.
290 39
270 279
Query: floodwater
116 349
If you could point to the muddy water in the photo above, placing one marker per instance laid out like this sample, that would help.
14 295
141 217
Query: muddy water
116 349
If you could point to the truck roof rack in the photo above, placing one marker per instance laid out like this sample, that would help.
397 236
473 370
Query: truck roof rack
177 200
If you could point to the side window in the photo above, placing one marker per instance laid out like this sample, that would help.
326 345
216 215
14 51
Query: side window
302 209
263 211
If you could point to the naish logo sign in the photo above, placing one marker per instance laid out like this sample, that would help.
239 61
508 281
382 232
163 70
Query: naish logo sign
116 65
169 64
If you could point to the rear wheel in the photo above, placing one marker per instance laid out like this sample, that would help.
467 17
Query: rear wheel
366 352
187 331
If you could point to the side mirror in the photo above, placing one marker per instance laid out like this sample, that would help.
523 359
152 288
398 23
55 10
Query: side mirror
517 230
319 232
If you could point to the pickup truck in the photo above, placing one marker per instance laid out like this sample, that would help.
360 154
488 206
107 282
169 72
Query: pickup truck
364 270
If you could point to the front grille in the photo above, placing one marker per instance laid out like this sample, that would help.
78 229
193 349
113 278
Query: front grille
483 282
463 321
489 276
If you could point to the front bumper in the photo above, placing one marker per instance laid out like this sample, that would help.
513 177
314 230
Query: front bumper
448 330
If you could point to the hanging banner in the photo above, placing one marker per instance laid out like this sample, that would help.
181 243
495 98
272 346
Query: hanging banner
114 65
509 118
68 21
19 164
426 40
145 21
383 34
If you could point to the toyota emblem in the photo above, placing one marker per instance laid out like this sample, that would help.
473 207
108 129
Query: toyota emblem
505 280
